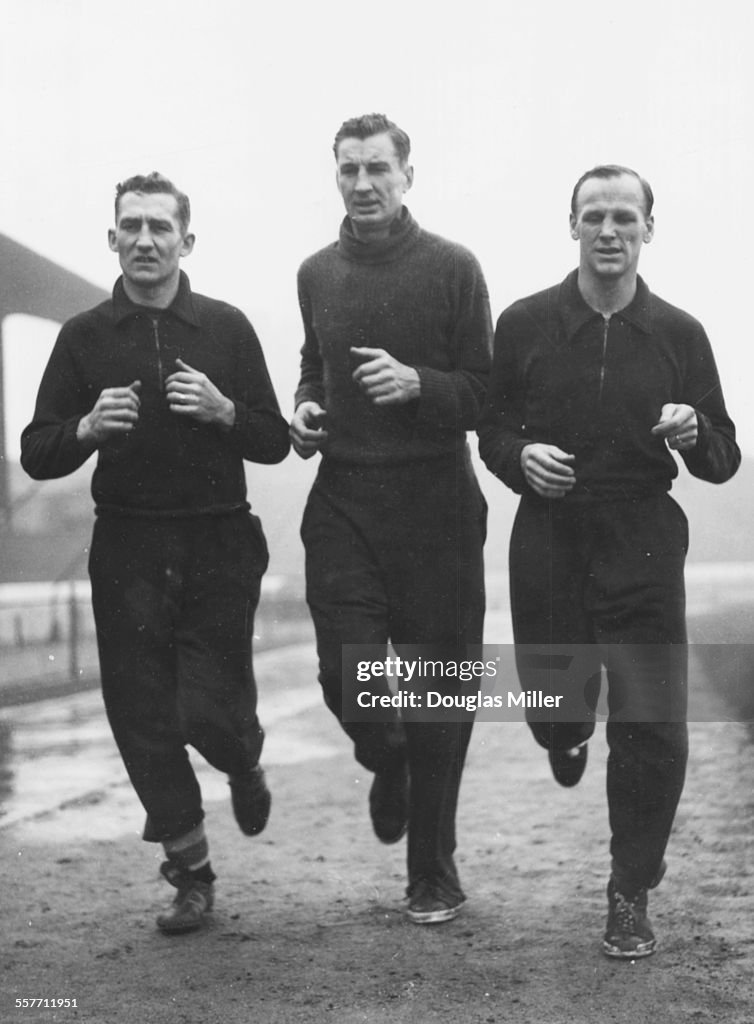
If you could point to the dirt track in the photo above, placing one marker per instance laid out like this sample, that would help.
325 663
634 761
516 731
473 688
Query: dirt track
308 925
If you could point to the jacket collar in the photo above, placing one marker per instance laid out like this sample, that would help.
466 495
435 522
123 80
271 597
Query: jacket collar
182 305
576 312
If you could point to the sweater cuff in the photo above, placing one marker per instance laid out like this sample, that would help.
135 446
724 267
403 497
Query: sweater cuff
240 420
309 393
73 453
72 444
513 474
438 403
697 456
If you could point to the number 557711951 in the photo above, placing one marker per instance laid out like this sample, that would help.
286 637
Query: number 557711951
49 1004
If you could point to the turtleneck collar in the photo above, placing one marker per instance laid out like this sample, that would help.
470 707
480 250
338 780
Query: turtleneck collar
403 234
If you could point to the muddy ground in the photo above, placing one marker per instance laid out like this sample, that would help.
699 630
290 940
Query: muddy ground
308 924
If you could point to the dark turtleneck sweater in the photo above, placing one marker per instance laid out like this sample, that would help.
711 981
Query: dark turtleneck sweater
424 301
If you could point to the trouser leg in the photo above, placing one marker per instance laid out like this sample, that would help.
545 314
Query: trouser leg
436 757
547 586
136 602
645 776
642 630
173 606
348 604
217 695
437 601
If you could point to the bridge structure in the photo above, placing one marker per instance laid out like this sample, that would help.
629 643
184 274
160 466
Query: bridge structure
36 286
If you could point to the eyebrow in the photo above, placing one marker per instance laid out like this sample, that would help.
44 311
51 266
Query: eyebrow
602 208
154 222
349 166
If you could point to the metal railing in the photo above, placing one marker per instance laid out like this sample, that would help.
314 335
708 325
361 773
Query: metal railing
48 641
46 633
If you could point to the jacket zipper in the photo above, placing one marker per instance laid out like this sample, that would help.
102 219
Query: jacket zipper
156 335
605 328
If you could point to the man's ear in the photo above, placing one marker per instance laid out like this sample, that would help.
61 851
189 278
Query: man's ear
574 226
188 244
409 172
111 239
649 231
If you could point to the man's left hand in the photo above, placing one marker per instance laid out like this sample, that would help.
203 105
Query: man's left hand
679 426
383 379
191 393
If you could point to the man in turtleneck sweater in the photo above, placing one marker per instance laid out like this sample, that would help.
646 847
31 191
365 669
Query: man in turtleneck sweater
393 373
595 383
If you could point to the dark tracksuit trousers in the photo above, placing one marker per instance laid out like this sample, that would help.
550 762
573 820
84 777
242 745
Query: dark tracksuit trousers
174 602
394 553
610 574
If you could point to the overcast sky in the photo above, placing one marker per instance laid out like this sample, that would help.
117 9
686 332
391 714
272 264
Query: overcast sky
506 104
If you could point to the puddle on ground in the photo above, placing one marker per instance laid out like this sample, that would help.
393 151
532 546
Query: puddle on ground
59 755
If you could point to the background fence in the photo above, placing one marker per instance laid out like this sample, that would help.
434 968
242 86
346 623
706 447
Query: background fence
48 642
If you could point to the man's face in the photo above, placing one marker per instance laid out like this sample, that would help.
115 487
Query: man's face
149 240
372 183
611 226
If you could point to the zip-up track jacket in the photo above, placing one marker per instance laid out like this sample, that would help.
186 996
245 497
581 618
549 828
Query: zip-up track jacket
564 375
168 462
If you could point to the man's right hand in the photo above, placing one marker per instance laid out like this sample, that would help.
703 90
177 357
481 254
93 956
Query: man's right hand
306 432
115 412
547 470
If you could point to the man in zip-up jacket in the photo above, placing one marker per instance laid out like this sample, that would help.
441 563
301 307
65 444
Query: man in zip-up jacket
595 383
171 390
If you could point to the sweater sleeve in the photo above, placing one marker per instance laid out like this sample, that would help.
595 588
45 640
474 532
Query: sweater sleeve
716 456
311 385
49 446
452 399
501 426
260 433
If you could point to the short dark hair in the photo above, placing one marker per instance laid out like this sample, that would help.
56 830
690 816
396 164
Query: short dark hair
614 171
155 183
374 124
